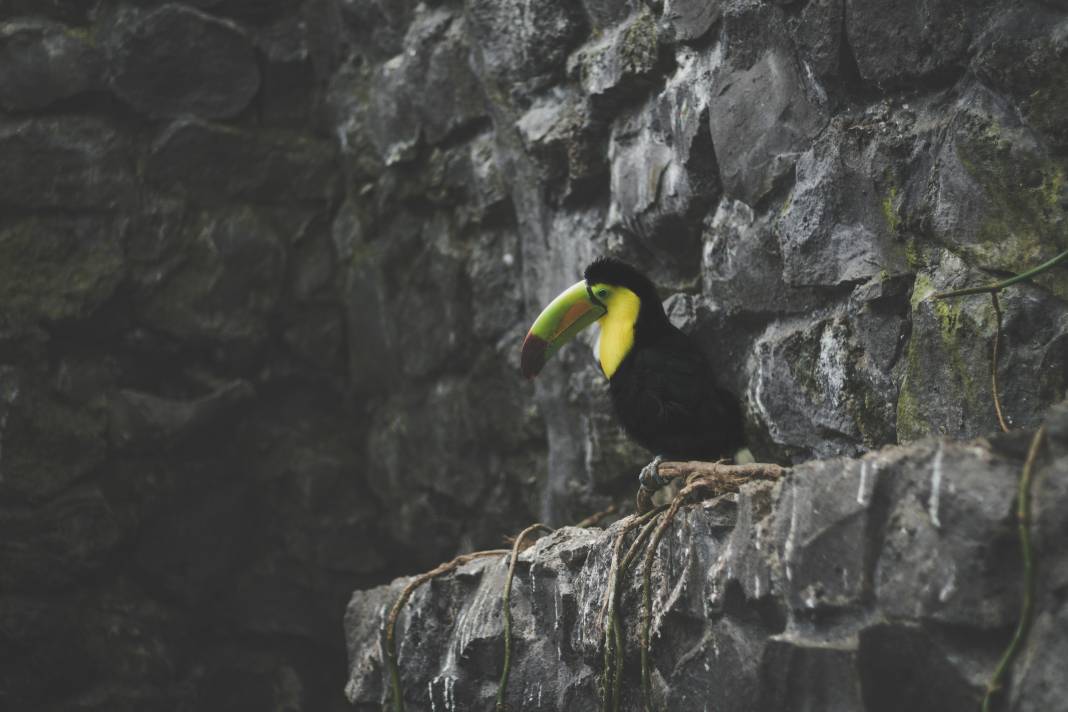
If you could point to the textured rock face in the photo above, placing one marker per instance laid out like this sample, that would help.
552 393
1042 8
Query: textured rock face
265 266
887 582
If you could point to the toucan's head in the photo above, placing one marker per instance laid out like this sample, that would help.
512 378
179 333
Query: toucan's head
612 292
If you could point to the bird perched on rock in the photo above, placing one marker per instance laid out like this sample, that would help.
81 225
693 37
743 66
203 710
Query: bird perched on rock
660 380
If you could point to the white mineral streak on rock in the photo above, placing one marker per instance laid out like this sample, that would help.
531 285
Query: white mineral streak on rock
863 493
936 486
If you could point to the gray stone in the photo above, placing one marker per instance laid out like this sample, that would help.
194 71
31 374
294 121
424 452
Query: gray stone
175 61
663 173
820 37
522 44
58 267
762 119
616 65
144 420
213 163
605 13
54 546
228 285
899 42
995 195
1024 53
838 226
852 573
64 163
266 271
565 141
946 387
691 19
48 439
290 91
425 92
43 62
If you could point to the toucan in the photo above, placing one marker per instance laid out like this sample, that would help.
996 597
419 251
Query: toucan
661 382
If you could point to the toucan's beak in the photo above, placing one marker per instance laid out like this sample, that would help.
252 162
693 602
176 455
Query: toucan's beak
566 316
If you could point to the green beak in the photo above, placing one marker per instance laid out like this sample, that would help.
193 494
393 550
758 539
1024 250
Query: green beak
566 316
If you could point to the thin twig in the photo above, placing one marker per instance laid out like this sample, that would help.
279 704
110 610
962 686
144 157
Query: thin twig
1023 523
394 613
994 360
506 608
998 286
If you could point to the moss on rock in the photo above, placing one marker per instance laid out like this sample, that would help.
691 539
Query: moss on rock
56 268
1025 208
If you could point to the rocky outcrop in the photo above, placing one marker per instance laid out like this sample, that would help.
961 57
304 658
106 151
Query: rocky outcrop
887 582
265 266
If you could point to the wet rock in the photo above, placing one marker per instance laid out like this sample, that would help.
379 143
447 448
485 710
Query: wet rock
427 91
44 62
1025 54
857 573
48 439
175 61
57 267
997 198
947 385
53 546
690 19
615 65
228 284
213 163
72 11
144 419
838 225
290 91
663 170
65 163
521 44
761 119
901 42
820 39
566 142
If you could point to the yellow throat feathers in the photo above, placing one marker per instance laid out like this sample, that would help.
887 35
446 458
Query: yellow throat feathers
617 328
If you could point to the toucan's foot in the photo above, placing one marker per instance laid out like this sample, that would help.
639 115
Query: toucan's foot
650 478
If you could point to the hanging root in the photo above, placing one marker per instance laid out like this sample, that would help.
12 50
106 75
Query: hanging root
994 362
394 614
716 477
613 630
506 609
1023 523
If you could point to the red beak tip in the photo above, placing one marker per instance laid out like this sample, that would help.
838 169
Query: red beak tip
532 356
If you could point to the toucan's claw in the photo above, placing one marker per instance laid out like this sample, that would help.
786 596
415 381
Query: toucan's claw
650 478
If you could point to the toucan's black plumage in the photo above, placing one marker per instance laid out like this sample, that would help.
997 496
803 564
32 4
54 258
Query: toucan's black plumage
663 390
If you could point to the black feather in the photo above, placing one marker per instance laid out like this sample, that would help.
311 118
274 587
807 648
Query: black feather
663 391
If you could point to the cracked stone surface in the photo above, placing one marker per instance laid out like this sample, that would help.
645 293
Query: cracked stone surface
886 582
265 268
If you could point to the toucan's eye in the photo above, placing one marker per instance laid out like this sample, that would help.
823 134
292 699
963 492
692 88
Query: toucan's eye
602 293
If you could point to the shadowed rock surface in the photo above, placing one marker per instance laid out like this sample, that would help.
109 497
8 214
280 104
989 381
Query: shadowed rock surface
888 582
265 267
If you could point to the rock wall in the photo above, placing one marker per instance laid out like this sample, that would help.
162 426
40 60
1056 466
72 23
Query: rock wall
182 499
265 266
885 583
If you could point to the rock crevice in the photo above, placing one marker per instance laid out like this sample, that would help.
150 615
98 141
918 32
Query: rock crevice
886 582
